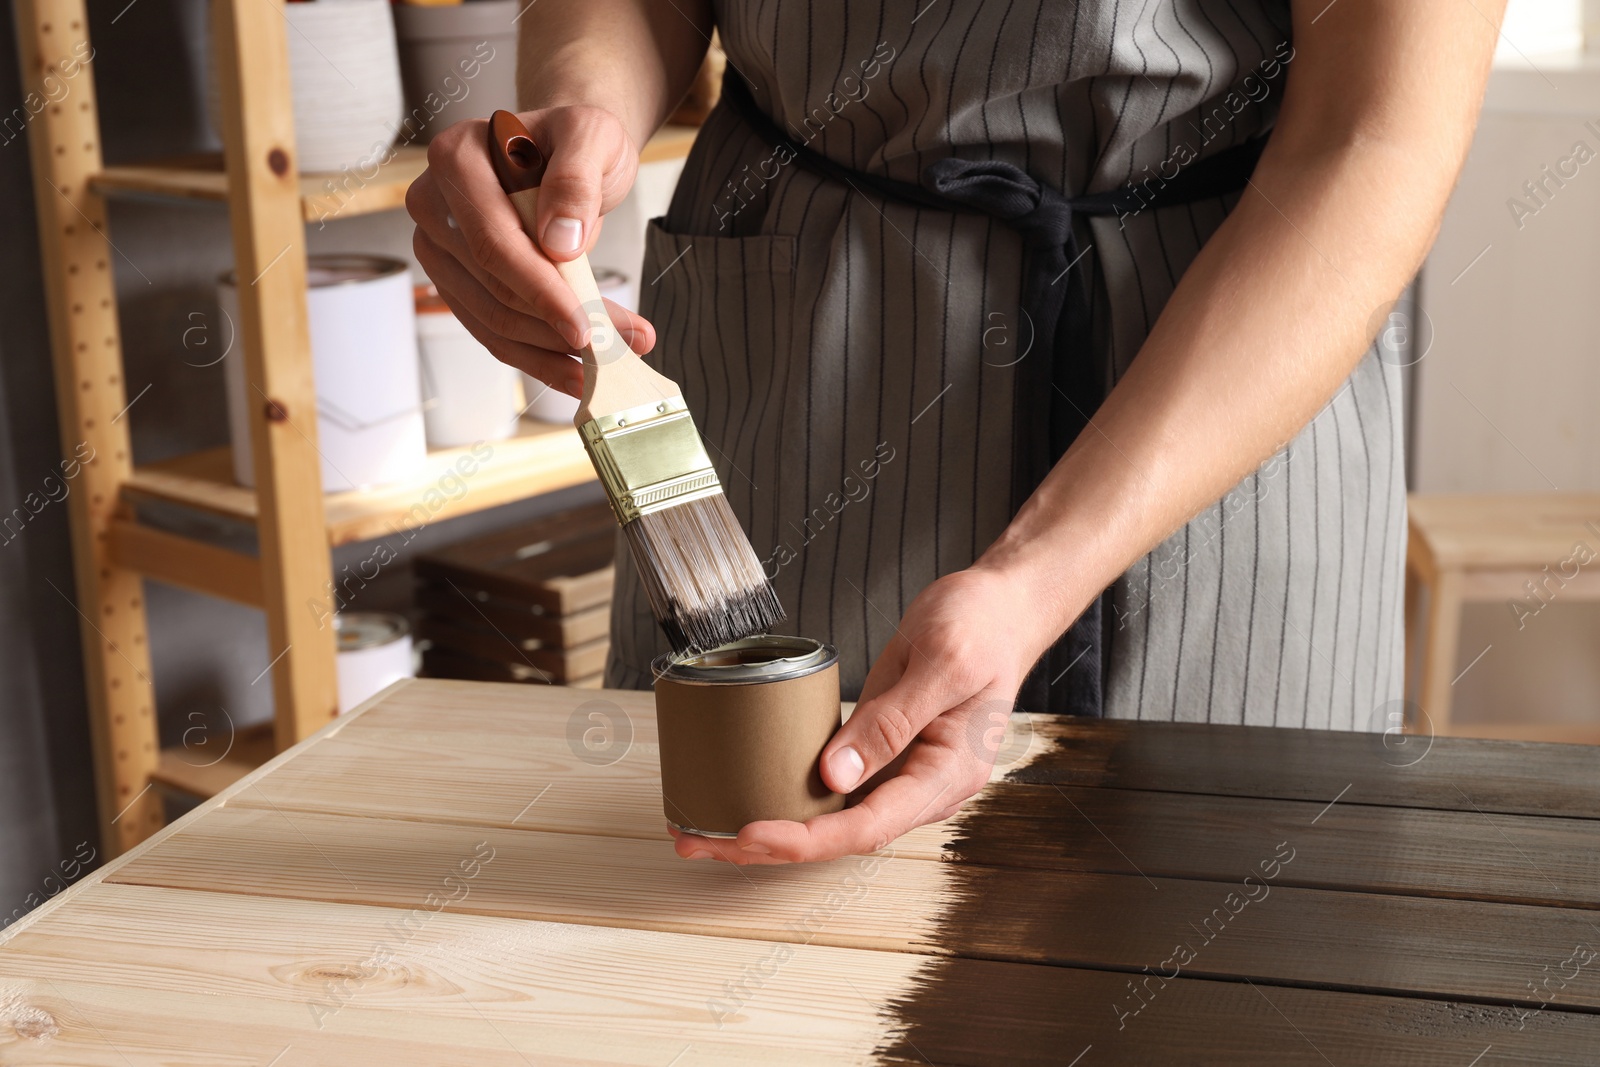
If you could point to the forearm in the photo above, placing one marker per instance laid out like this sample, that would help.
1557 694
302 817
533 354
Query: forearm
634 58
1266 324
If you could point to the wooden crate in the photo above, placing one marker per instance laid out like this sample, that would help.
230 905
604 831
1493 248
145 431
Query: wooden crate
529 604
560 563
477 608
499 647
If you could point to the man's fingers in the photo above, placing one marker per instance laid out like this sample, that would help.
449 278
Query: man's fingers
726 850
885 670
896 806
582 148
502 312
883 725
558 370
491 233
460 286
636 331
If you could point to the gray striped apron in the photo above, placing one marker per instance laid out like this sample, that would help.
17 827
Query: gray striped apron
853 361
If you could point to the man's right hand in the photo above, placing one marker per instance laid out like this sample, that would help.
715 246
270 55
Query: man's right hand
501 284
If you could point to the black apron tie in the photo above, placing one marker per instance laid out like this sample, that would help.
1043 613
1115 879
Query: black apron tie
1053 296
1064 391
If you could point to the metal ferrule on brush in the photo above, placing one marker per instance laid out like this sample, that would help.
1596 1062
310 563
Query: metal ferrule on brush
650 458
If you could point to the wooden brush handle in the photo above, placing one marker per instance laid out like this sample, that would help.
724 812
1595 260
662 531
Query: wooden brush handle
614 377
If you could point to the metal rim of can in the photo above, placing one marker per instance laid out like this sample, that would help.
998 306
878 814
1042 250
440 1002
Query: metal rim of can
724 835
357 630
349 268
764 658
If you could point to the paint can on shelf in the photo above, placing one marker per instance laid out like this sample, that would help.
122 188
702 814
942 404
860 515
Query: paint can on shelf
741 729
457 61
374 653
369 425
467 395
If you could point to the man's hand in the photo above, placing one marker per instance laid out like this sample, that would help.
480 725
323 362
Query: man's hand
500 283
921 740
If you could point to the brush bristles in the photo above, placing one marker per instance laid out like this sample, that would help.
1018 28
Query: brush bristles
705 584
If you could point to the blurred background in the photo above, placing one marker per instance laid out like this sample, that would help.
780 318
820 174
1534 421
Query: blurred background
1497 338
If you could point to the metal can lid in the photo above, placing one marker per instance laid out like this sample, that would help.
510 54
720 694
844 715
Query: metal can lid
323 271
368 629
765 658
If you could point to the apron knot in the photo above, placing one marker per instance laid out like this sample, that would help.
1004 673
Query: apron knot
1039 213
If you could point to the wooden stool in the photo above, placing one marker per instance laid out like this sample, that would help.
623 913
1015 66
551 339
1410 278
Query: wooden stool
1525 549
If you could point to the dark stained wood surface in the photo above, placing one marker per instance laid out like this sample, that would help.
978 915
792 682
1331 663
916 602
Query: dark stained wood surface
1526 859
1261 896
1396 770
979 1012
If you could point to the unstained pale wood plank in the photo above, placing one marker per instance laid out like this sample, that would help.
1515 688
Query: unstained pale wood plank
224 971
480 754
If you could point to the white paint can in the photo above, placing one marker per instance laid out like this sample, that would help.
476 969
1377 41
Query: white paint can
364 358
467 395
374 653
344 79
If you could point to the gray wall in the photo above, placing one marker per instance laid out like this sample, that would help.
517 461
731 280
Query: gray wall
150 76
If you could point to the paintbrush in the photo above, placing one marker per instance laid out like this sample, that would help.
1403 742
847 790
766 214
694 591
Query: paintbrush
705 584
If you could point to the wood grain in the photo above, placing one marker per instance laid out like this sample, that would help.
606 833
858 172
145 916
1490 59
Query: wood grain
394 762
428 987
1351 846
979 1012
203 772
252 53
1446 773
186 562
154 974
1504 530
876 902
461 872
520 564
77 267
322 196
541 458
486 641
591 757
1262 930
558 631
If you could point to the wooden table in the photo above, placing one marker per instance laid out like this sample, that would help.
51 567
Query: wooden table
465 873
1524 550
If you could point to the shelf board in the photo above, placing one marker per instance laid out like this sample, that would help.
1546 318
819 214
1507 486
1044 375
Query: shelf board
195 773
322 196
669 142
541 458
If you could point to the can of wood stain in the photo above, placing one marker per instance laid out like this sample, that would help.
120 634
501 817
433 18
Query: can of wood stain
741 729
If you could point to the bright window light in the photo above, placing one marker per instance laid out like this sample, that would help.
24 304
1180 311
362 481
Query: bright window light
1540 27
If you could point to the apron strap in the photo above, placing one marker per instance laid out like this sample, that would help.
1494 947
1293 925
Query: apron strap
1066 390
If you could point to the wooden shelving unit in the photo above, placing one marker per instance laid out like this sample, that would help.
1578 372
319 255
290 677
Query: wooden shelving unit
269 203
322 196
542 458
